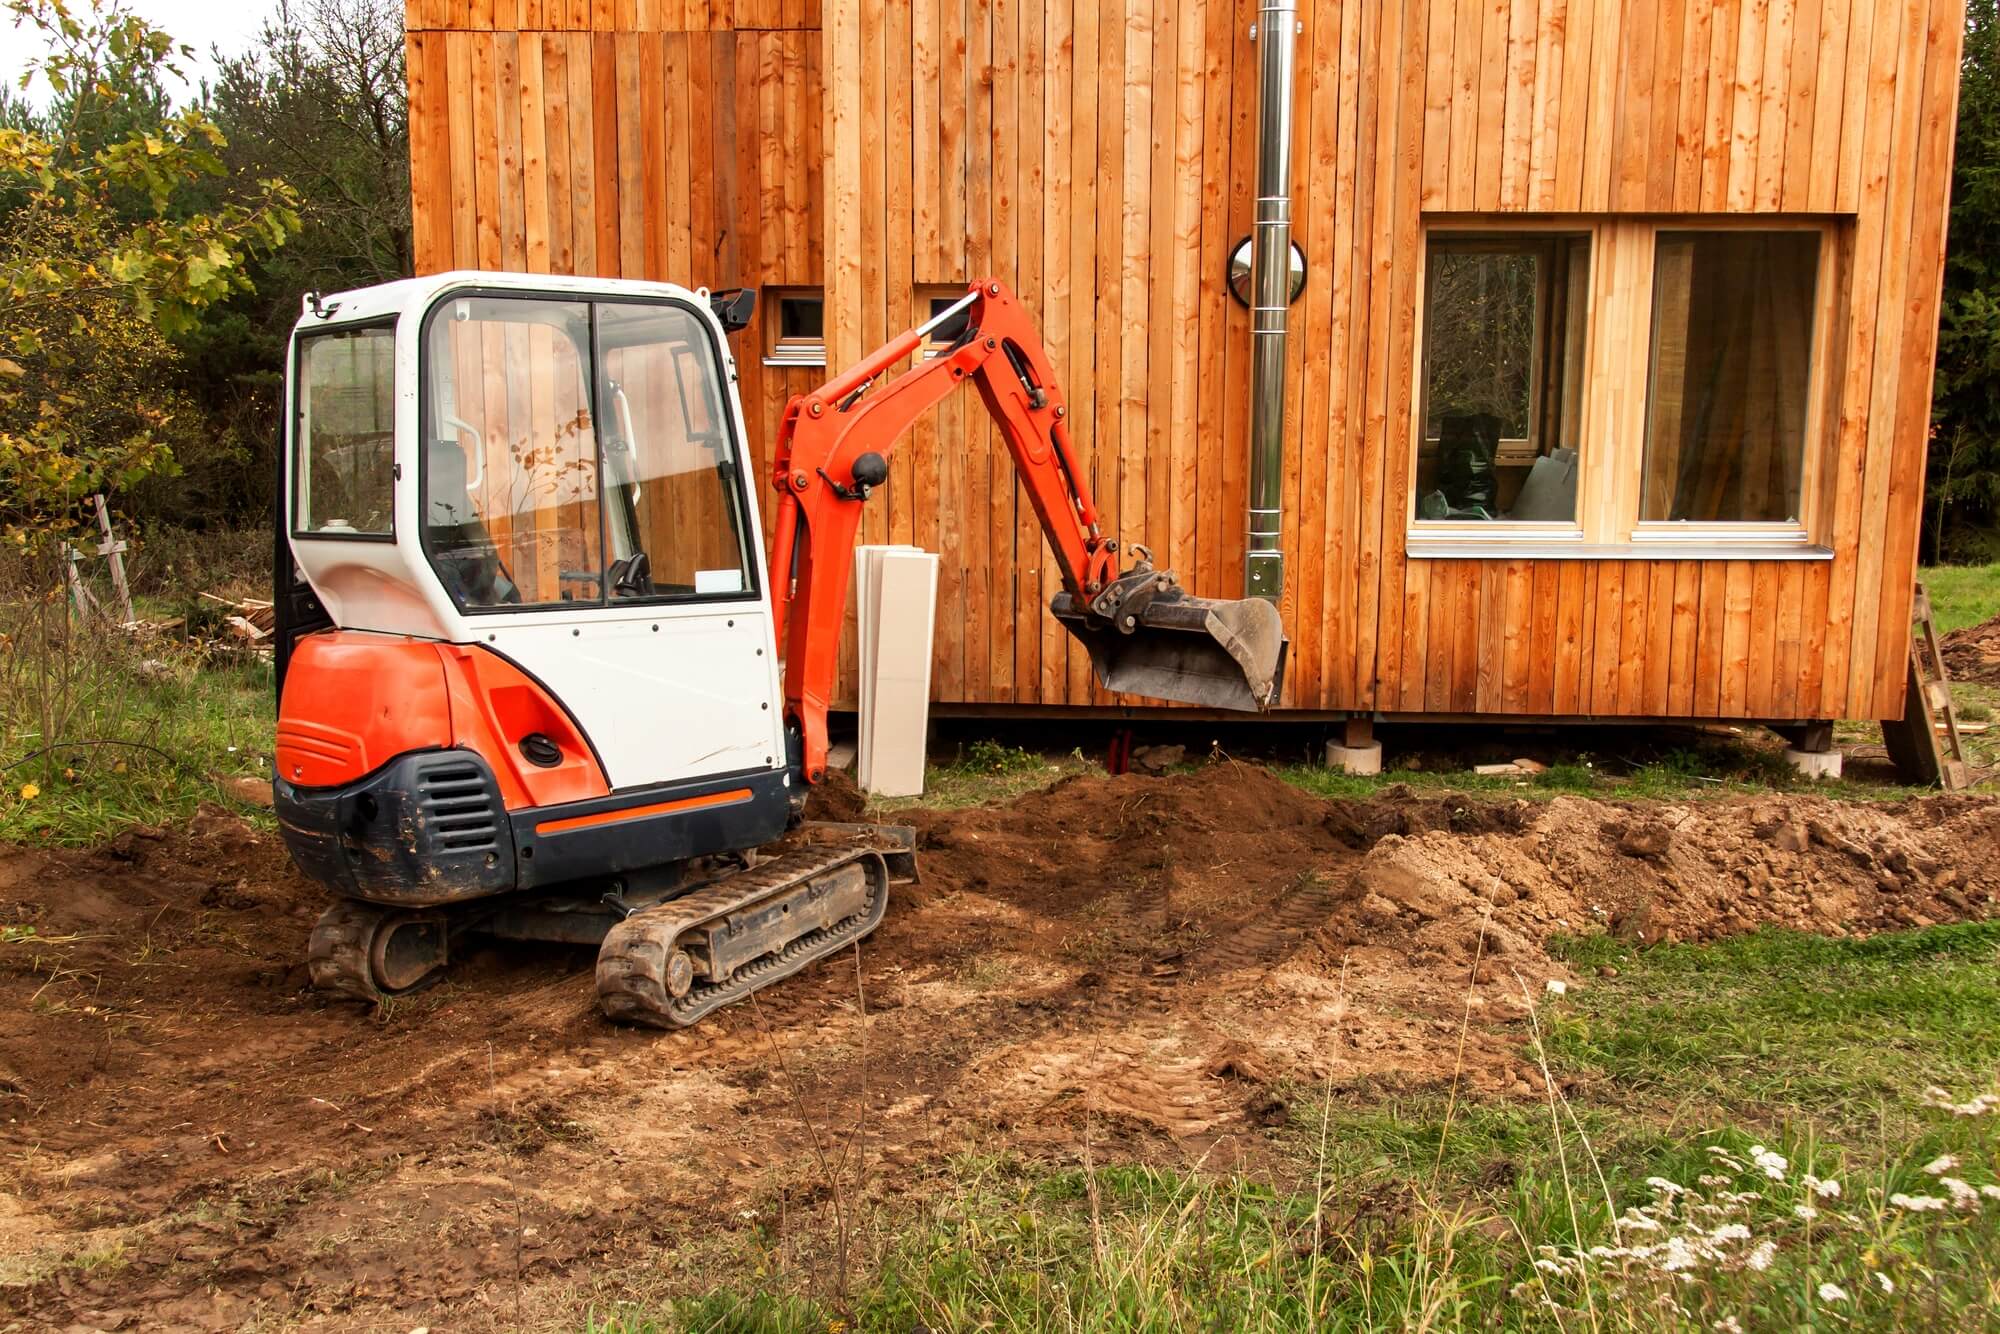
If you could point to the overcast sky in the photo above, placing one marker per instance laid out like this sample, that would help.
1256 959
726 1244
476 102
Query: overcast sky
202 24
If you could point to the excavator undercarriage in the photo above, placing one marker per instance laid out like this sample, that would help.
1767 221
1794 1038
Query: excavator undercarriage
666 958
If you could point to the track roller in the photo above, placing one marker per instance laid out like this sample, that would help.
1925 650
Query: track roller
669 965
370 952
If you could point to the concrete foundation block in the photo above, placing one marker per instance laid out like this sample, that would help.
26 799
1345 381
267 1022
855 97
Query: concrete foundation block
1362 761
1814 764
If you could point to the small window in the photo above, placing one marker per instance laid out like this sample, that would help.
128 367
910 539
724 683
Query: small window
931 303
1729 384
345 434
796 327
1505 320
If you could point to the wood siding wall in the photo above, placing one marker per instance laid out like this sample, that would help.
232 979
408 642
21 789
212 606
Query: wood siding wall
1098 156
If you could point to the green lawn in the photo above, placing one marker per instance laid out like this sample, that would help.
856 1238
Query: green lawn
1962 595
1739 1132
150 745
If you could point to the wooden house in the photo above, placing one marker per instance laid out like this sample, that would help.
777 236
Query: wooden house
1607 384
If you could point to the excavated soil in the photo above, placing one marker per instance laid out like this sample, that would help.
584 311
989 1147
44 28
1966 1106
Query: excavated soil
1972 653
192 1138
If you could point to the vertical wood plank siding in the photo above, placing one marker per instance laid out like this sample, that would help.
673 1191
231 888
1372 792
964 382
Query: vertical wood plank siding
1097 154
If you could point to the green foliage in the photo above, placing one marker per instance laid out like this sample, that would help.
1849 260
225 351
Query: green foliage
987 756
318 100
108 247
1963 488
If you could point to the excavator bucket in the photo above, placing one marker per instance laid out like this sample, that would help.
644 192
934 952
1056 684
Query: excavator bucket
1206 651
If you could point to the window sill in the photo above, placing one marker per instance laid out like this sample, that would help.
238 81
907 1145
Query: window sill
797 360
1431 546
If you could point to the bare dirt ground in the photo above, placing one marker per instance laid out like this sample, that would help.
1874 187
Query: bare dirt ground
1972 653
189 1137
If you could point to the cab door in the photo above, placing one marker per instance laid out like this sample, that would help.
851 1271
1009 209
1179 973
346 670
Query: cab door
587 511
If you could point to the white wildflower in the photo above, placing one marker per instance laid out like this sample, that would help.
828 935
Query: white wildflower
1962 1195
1548 1266
1760 1259
1681 1255
1990 1192
1662 1186
1979 1106
1805 1212
1730 1232
1711 1179
1937 1167
1832 1292
1916 1204
1639 1222
1771 1164
1727 1325
1884 1282
1826 1190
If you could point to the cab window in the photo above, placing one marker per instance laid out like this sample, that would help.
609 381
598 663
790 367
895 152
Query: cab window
344 433
673 516
577 452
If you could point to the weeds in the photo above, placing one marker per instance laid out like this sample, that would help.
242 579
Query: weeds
987 771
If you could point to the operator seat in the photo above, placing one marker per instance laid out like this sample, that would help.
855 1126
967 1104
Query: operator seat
461 547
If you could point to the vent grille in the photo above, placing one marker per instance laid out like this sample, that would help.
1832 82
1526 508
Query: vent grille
457 806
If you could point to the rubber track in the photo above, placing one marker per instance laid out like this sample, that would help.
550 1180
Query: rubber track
631 964
337 951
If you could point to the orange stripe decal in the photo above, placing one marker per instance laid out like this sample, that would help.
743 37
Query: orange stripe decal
574 822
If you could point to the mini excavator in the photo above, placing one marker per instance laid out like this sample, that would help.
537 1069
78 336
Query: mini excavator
534 682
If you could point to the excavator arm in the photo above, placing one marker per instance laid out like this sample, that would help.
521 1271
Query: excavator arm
1144 633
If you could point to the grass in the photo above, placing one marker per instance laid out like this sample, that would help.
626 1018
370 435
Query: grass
1713 1091
1707 767
212 721
987 771
1962 595
1778 1027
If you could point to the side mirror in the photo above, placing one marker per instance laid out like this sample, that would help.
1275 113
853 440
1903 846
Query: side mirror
734 306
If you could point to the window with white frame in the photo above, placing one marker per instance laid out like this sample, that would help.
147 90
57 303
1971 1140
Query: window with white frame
795 326
1620 383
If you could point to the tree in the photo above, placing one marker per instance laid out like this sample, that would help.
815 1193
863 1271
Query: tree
109 247
1963 487
318 100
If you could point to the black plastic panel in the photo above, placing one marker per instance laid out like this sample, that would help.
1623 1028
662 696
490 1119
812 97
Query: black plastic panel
427 828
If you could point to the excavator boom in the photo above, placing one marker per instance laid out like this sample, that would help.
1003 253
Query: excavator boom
1145 634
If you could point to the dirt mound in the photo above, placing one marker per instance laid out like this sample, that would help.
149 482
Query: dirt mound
836 797
1972 653
1149 963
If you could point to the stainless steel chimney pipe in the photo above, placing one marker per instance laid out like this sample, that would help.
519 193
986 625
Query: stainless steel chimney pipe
1276 35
